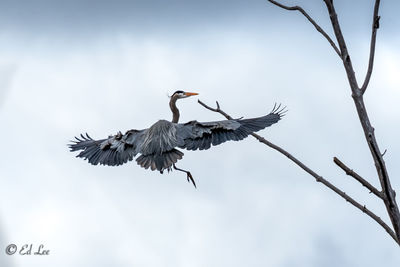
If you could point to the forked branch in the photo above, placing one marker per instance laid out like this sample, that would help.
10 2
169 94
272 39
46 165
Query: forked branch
369 131
387 194
317 177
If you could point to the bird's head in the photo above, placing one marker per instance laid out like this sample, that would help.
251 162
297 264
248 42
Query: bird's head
182 94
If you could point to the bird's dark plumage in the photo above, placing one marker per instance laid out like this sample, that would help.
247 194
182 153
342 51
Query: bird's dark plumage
203 135
157 144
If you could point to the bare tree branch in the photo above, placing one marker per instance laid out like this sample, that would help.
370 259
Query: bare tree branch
357 93
356 176
319 29
369 131
343 48
317 177
375 27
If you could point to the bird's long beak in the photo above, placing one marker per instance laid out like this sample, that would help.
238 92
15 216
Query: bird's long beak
190 94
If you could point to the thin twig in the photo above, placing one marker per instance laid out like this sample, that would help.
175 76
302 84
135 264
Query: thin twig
317 27
317 177
356 176
375 27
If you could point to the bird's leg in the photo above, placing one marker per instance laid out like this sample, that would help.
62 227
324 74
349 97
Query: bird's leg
189 175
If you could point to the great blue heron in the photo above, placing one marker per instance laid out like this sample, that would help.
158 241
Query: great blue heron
157 144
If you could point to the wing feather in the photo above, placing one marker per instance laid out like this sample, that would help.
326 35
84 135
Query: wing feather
201 135
113 151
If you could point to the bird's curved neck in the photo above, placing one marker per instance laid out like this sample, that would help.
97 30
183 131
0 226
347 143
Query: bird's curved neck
174 109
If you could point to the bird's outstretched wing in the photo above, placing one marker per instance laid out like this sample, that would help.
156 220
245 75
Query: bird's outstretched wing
113 151
201 135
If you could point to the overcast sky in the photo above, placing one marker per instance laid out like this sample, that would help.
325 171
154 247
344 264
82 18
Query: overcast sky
68 67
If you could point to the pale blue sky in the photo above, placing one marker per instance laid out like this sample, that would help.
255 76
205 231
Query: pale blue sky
101 67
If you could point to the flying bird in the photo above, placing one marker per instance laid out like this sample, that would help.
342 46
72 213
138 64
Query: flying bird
158 144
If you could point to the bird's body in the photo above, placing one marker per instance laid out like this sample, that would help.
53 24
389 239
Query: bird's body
158 144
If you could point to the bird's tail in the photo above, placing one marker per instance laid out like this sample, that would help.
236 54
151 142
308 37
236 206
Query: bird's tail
160 162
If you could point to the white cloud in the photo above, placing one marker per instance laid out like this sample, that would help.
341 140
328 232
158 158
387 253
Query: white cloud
252 207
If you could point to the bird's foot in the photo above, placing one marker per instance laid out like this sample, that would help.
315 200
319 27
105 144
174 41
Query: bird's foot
190 179
189 175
